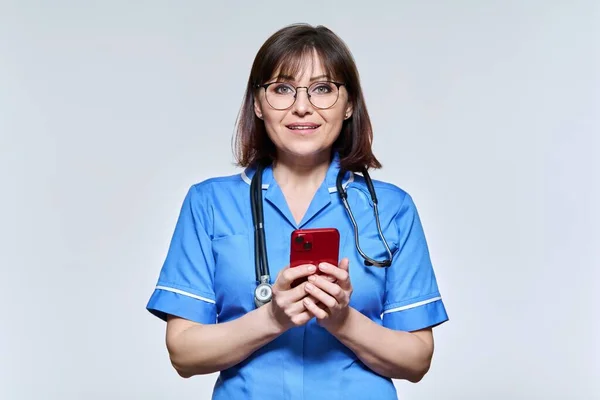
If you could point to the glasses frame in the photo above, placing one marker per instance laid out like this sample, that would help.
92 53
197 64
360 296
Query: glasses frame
266 85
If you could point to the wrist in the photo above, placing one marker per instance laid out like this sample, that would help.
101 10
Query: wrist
342 325
271 323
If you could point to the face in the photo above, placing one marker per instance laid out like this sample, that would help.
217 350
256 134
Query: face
302 130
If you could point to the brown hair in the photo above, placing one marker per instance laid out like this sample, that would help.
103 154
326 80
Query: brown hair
284 52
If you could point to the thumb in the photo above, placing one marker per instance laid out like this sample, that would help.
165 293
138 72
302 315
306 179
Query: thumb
344 264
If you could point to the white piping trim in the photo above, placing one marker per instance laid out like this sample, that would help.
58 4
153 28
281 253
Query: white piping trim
245 178
248 181
168 289
344 185
420 303
331 189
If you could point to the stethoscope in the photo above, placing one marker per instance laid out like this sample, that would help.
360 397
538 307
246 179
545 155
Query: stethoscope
264 292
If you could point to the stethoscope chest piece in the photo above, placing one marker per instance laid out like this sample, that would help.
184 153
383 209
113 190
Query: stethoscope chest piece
263 294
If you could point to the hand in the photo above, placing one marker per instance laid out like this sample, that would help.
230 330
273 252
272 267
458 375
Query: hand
328 300
286 307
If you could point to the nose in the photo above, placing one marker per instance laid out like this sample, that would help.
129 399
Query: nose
302 105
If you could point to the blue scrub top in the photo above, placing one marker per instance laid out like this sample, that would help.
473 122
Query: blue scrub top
209 277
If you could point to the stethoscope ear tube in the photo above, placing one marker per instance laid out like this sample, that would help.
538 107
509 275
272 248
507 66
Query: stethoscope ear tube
260 226
263 292
256 222
344 196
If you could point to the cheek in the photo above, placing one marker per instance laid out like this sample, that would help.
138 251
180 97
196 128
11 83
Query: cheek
271 122
273 126
334 118
269 116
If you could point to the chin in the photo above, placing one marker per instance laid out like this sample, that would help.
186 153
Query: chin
306 150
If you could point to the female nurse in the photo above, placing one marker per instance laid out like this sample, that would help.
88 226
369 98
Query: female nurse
343 333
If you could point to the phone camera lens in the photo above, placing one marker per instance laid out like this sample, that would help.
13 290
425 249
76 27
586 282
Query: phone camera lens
307 245
299 239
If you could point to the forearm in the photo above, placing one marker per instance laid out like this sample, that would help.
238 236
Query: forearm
395 354
204 349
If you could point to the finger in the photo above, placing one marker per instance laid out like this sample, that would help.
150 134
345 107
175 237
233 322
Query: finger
340 274
345 264
302 318
289 308
295 308
297 293
321 295
314 309
290 274
318 303
332 289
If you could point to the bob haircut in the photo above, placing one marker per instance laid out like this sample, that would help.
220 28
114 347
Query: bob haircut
283 53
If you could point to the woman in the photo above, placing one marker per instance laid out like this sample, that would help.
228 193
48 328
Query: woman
343 333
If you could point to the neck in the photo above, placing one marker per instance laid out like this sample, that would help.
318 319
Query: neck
301 173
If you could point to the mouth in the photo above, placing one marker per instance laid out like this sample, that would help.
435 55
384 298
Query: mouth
303 127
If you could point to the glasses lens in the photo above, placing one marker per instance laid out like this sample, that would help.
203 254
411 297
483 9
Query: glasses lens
323 94
283 95
280 95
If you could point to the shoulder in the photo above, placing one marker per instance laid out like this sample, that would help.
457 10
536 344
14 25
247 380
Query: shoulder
217 186
213 196
202 197
389 195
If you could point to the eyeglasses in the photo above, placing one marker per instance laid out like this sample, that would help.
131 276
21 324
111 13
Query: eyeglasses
282 95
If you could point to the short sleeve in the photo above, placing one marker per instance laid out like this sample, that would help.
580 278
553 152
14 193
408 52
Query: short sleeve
185 284
412 298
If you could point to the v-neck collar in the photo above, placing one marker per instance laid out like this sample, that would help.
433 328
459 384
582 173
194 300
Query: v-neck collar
322 198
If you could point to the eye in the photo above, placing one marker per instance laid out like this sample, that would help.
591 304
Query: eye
282 88
322 88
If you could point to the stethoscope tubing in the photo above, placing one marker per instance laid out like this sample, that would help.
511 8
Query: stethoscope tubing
261 262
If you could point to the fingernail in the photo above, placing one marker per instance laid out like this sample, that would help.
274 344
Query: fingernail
323 267
312 268
309 287
312 278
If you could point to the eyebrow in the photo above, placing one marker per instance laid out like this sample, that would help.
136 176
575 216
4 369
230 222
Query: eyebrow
291 78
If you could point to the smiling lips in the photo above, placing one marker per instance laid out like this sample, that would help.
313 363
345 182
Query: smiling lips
303 127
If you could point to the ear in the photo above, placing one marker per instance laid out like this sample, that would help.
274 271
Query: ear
257 107
348 112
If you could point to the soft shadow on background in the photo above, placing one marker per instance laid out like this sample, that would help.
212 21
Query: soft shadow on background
485 112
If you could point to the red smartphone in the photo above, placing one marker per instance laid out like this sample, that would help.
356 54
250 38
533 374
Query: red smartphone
313 246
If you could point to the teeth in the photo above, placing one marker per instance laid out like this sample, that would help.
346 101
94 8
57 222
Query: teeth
302 127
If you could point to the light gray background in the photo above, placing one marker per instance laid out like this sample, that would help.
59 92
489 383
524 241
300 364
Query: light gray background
485 111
